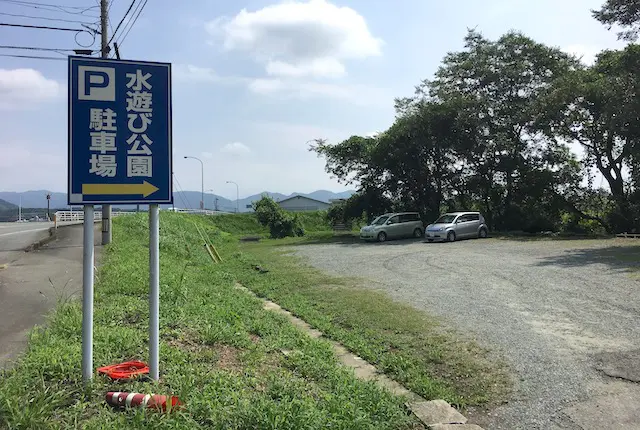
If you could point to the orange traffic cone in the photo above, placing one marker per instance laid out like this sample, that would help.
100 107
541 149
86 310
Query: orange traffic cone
132 400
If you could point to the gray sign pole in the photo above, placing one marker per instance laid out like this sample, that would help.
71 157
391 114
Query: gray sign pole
104 19
87 294
154 292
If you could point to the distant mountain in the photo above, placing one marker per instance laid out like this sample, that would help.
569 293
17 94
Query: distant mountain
6 206
325 195
35 199
181 199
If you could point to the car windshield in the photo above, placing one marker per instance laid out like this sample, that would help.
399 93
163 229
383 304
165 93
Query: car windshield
445 219
380 220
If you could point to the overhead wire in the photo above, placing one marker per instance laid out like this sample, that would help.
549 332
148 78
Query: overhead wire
121 40
182 196
35 48
74 10
33 57
41 27
126 24
17 15
25 2
121 21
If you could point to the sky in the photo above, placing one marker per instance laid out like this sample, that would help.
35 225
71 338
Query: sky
254 81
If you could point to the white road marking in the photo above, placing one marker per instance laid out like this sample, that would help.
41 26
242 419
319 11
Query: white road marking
24 231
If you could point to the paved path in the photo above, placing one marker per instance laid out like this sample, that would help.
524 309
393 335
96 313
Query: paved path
16 236
30 283
562 313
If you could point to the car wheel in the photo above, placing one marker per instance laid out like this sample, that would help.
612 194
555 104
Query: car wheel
417 233
451 236
482 234
382 236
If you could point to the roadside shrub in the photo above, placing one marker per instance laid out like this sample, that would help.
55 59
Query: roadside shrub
336 213
280 223
573 224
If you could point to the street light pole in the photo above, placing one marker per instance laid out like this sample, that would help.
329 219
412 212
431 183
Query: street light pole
48 206
237 195
213 197
202 176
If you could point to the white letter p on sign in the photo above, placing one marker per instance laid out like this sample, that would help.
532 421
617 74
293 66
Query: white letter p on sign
96 83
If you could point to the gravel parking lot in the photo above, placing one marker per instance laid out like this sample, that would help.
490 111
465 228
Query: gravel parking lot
563 314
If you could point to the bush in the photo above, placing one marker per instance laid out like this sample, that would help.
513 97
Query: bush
280 223
336 214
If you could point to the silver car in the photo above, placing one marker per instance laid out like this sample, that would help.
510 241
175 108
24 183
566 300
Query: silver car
457 225
393 226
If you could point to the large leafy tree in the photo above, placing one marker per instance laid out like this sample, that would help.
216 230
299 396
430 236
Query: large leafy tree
625 13
600 109
496 85
410 166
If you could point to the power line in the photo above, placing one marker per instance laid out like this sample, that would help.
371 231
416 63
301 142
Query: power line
134 21
121 21
24 2
35 48
33 57
126 24
45 18
42 27
73 10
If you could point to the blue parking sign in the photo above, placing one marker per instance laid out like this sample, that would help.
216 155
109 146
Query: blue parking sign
119 132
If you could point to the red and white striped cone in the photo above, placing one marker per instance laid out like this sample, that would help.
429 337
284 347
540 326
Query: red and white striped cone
132 400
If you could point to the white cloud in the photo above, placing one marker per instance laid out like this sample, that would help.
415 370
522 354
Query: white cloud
236 148
287 88
319 67
23 88
207 155
191 73
296 38
305 90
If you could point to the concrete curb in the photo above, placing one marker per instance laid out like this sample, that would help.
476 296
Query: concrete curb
434 414
53 234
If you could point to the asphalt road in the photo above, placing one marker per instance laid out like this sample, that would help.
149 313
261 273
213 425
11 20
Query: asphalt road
564 315
32 282
16 236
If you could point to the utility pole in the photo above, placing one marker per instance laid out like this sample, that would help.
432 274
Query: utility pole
104 19
88 255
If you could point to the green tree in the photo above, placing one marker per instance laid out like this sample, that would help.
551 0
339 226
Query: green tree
625 13
354 161
600 109
496 86
407 167
281 223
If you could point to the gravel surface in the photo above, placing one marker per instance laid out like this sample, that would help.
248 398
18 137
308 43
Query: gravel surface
548 307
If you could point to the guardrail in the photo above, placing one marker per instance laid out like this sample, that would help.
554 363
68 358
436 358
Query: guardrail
199 211
77 216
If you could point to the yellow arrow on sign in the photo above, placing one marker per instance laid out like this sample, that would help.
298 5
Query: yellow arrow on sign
145 188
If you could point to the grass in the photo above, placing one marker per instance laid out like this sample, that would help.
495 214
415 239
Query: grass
220 351
407 344
245 224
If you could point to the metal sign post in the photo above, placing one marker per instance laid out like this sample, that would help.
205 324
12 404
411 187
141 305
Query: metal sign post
119 153
154 292
87 294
